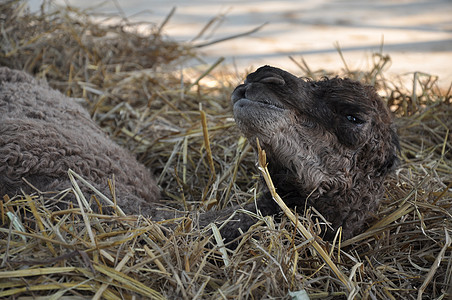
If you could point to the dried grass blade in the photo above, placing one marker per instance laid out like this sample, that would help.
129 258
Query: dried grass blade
129 282
136 137
156 260
81 199
118 268
47 287
207 26
219 61
221 247
380 225
35 213
72 174
167 18
238 157
339 50
37 272
435 265
24 234
232 37
265 173
169 162
17 225
184 161
201 289
273 260
207 143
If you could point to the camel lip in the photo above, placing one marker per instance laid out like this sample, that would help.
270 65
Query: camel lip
245 102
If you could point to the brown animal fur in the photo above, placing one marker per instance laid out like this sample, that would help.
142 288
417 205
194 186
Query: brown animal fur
329 144
43 134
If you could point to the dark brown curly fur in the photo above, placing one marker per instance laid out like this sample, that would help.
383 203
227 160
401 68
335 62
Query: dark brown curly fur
329 144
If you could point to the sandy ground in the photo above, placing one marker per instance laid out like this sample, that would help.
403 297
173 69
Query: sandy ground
417 34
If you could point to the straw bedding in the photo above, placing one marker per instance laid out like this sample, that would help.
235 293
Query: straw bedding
177 121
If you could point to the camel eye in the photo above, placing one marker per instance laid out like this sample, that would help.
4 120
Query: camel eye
355 120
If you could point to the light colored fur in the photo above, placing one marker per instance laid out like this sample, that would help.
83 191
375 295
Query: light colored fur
43 134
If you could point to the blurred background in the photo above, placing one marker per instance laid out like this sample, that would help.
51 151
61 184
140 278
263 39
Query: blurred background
416 34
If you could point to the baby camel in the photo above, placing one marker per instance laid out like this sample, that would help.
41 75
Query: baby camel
329 144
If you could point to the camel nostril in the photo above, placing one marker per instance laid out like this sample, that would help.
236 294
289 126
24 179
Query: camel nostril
238 93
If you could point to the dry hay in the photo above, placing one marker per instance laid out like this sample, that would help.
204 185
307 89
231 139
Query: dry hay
151 105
